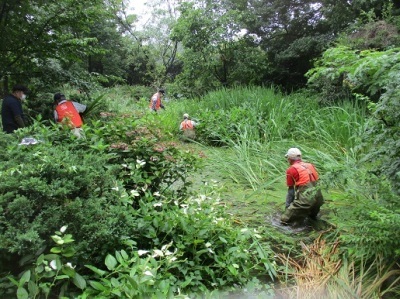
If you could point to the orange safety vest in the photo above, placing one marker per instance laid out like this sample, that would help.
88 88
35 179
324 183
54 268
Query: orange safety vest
187 125
307 173
158 101
68 111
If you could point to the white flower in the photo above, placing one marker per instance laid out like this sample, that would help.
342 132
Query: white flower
157 193
148 273
142 252
70 265
53 264
157 252
158 204
135 193
140 163
208 244
63 229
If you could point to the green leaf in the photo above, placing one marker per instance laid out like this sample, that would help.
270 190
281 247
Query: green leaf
68 252
33 288
68 239
96 270
79 281
60 277
68 271
55 250
223 240
124 255
25 277
22 293
110 262
13 280
97 285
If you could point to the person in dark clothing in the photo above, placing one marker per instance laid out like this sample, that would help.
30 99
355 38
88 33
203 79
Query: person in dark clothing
12 115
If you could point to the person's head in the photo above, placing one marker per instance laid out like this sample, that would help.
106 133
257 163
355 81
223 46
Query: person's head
185 116
161 91
293 154
20 91
58 97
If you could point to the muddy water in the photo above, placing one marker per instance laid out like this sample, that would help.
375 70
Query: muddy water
308 225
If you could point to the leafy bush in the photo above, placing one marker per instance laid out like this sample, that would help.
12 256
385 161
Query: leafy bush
193 248
74 182
121 184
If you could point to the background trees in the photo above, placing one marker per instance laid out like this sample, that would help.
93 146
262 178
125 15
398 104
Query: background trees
46 39
193 47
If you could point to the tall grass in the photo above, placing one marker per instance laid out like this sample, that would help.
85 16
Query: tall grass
259 125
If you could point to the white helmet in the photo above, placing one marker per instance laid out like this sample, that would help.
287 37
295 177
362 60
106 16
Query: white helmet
293 153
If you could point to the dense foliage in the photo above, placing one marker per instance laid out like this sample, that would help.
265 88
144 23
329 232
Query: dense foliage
113 215
120 190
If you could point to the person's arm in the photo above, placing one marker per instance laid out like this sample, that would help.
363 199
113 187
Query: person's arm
17 112
153 103
20 122
79 107
291 174
289 196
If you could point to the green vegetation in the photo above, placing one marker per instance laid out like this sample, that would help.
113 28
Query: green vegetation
131 211
149 216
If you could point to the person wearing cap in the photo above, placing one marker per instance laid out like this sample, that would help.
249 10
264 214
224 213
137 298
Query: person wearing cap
68 112
12 115
187 127
155 101
303 198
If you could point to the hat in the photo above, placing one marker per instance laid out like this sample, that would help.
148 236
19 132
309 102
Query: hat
22 88
293 153
186 115
58 96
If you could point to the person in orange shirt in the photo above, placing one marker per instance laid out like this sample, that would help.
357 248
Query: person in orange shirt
155 101
303 199
68 113
187 127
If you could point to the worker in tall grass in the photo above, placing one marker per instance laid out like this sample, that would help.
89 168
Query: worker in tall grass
303 199
156 100
187 127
